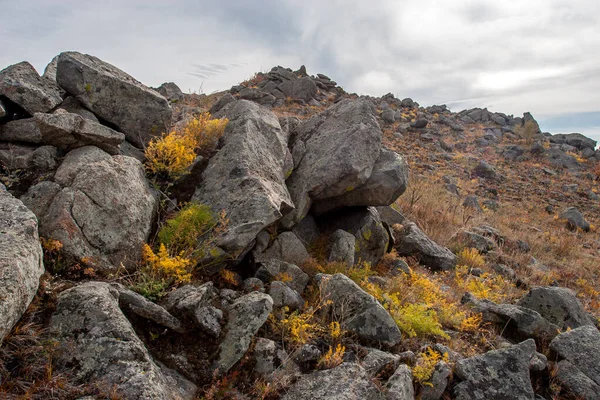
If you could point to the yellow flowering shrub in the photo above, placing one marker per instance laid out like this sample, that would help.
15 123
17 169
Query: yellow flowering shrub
332 358
426 362
175 268
486 286
471 258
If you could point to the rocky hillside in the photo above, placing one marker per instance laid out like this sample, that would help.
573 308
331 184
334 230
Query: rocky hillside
285 239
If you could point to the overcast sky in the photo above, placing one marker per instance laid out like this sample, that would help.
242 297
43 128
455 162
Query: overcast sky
511 56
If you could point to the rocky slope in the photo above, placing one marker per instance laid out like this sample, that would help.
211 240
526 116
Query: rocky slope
349 247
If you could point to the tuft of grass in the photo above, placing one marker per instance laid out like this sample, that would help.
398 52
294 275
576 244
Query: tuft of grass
183 232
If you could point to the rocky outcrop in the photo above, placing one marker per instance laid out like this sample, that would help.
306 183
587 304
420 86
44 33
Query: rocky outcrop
575 219
100 344
346 381
411 241
100 207
579 370
496 375
114 96
22 85
358 311
246 178
286 247
20 260
334 153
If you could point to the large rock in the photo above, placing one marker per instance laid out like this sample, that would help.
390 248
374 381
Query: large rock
411 241
335 152
246 315
286 247
400 385
101 346
576 382
342 247
516 321
581 349
558 305
575 219
387 182
303 89
577 140
22 85
246 178
358 311
114 96
20 260
104 211
68 131
496 375
346 381
273 270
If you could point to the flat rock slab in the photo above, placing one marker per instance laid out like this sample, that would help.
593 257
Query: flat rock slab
21 84
21 258
114 96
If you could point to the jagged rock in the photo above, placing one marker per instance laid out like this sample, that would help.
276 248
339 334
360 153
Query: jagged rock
275 269
576 382
184 301
303 89
346 381
339 149
387 182
101 344
400 386
388 115
558 305
50 70
15 156
72 105
390 215
208 319
476 241
579 347
104 212
136 110
560 159
21 84
575 219
246 315
525 322
411 241
253 285
358 311
576 140
377 361
285 296
438 381
139 305
68 131
271 361
484 170
419 123
342 247
222 102
21 256
21 130
170 91
45 158
307 230
496 375
286 247
246 178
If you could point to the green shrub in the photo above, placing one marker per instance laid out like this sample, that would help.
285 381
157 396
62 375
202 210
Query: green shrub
182 232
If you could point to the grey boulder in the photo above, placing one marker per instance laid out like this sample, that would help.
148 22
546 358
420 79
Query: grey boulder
575 219
104 211
21 84
284 296
400 385
335 152
21 260
286 247
342 247
558 305
135 109
246 178
411 241
496 375
271 270
100 342
358 311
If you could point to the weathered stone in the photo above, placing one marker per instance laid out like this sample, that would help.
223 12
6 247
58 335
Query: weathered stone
377 361
574 139
476 241
246 315
411 241
21 258
342 247
187 299
575 219
387 182
576 382
303 89
358 311
339 149
438 382
558 305
45 158
21 84
286 247
284 296
400 386
208 319
484 170
15 156
136 110
101 344
68 131
105 210
274 269
581 348
222 102
21 130
253 285
72 105
170 91
496 375
246 178
346 381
